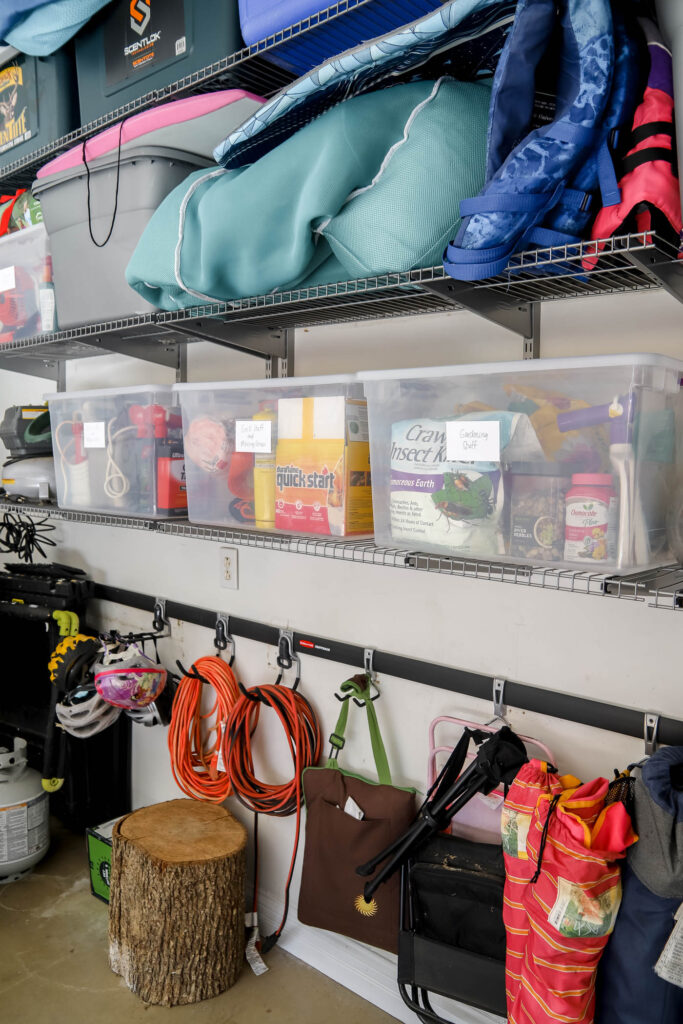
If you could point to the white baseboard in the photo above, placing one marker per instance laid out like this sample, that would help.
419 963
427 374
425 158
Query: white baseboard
368 972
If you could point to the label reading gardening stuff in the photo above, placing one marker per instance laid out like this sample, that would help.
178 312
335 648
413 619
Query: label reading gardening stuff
473 441
18 104
141 36
254 436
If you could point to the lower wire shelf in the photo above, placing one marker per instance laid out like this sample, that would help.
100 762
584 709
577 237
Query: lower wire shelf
661 587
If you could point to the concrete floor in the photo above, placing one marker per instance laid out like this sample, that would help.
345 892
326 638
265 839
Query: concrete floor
53 964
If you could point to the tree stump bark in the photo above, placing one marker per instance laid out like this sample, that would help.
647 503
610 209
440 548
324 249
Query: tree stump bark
176 916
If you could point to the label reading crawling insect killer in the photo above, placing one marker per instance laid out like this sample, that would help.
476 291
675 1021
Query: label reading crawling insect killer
473 441
93 434
254 436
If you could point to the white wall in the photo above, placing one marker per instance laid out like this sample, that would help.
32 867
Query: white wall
612 650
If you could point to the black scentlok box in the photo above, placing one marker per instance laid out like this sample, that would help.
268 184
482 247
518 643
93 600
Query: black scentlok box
135 46
38 101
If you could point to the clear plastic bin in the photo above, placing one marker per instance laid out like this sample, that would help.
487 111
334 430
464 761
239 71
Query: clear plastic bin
558 462
119 451
285 455
26 290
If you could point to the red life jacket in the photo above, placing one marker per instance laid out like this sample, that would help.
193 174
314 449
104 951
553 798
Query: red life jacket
651 197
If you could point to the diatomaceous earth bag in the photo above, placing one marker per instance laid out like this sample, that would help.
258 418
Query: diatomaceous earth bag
438 497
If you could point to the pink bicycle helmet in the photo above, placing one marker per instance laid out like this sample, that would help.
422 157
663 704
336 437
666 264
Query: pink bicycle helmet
127 678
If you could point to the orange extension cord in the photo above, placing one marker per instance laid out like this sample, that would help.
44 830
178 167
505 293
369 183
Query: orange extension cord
305 742
193 747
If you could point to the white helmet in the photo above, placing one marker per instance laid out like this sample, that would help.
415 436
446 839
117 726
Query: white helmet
83 713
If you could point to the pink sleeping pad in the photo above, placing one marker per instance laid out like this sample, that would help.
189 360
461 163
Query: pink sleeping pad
194 125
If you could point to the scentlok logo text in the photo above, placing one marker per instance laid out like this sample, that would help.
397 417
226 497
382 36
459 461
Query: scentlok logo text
292 476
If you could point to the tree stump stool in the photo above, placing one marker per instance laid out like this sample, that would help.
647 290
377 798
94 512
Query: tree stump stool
176 916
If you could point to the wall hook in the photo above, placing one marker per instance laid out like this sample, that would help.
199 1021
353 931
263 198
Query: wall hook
499 708
287 657
223 638
159 620
651 728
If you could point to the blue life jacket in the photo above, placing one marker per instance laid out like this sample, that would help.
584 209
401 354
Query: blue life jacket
539 182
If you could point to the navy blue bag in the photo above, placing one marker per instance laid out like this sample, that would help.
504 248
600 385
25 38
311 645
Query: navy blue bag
629 991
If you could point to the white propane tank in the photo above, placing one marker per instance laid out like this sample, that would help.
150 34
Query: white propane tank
24 814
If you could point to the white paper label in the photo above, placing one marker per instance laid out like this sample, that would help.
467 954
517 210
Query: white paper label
254 436
251 953
93 434
220 762
669 967
473 441
7 279
352 808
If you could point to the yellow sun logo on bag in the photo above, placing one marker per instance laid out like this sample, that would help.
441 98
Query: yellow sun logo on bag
365 908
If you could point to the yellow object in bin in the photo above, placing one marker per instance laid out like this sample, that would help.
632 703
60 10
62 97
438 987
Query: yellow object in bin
322 480
264 477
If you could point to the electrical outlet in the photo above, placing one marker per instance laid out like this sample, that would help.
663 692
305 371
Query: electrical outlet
228 568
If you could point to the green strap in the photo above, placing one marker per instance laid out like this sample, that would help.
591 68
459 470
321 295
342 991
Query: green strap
359 687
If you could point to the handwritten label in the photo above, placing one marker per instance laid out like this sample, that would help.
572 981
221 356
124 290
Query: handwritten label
253 436
93 434
473 441
7 279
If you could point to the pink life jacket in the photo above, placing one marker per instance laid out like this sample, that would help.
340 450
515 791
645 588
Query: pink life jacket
651 198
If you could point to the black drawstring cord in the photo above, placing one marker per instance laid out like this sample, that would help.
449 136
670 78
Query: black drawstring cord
101 245
544 838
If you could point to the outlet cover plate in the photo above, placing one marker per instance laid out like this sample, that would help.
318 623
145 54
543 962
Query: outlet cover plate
228 574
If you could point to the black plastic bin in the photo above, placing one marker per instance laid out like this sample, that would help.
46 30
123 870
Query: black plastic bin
129 50
38 101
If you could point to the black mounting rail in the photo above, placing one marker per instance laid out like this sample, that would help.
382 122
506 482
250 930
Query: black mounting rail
598 714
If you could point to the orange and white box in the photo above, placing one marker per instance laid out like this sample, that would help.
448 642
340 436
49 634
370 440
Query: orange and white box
322 480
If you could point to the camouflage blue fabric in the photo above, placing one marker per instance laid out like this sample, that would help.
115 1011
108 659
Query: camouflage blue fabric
473 31
534 176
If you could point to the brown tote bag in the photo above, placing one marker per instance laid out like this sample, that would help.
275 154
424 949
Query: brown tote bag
331 894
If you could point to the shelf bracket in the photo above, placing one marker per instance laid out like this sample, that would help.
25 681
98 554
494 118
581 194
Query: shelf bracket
488 303
660 265
181 363
48 369
282 366
261 342
148 349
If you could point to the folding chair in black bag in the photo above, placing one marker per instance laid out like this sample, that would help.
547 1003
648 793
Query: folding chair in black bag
452 938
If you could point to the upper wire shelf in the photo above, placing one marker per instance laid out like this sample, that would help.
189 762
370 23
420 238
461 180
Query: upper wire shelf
245 69
625 263
661 587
